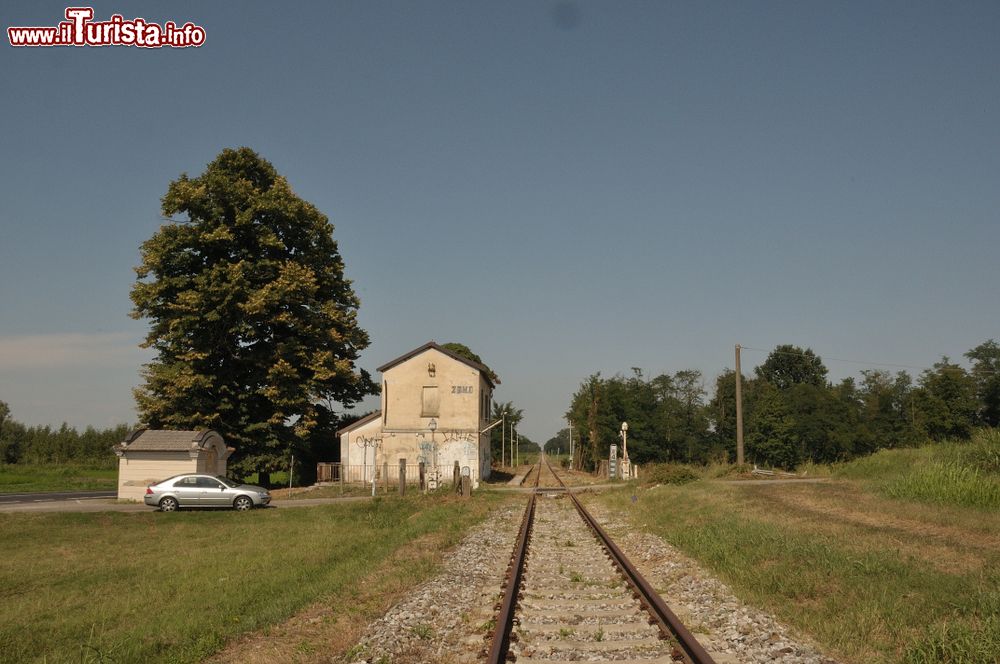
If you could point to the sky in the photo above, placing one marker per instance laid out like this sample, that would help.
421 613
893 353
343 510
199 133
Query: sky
565 187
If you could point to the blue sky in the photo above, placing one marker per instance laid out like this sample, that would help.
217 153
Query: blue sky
564 187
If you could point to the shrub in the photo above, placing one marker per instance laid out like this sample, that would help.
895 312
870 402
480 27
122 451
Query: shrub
667 473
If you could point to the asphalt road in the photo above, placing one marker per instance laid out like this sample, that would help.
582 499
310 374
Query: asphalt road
106 503
51 496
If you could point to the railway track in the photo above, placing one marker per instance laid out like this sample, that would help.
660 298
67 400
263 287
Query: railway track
571 595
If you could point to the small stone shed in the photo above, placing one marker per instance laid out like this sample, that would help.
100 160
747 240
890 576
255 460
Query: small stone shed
150 455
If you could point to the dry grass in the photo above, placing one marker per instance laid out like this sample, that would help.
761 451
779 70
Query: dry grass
872 578
328 628
944 538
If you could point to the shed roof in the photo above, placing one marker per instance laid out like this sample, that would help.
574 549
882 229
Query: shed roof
441 349
162 440
358 423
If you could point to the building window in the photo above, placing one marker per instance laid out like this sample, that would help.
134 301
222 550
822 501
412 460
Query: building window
431 402
385 400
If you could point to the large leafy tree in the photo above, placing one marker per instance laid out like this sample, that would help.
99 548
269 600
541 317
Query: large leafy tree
792 401
770 436
252 320
789 365
680 422
588 410
986 372
466 352
886 411
945 403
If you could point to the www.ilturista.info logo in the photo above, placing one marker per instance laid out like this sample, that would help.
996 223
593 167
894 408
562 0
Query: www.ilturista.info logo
80 30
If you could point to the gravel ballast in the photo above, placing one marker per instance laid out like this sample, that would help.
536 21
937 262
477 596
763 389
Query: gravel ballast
449 618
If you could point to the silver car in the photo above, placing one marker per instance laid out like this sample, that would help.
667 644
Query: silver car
204 491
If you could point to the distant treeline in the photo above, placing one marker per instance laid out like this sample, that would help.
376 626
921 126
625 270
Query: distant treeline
43 444
791 413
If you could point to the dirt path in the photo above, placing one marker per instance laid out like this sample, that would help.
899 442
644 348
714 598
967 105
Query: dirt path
918 530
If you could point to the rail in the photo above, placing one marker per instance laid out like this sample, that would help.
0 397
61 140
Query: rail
666 619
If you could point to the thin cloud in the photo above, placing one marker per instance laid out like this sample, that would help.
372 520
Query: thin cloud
49 351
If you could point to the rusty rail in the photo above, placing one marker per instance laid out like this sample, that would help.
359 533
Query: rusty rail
515 570
668 621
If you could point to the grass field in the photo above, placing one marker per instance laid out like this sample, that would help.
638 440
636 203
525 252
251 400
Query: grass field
962 474
153 587
891 561
24 478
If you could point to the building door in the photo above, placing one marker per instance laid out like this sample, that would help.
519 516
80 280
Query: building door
209 462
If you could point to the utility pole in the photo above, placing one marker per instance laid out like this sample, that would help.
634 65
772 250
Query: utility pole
571 444
503 437
739 409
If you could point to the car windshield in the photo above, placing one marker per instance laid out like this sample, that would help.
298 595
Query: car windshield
228 482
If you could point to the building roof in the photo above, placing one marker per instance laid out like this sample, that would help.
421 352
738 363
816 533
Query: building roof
359 423
481 368
161 440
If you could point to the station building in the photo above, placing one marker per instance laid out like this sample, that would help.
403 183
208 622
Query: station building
435 406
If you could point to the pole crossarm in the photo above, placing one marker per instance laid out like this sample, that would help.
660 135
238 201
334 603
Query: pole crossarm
492 425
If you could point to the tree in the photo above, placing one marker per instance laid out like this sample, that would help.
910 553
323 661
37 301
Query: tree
252 320
771 436
945 403
42 445
526 446
824 420
794 411
500 436
986 373
9 446
466 352
666 417
588 410
558 444
886 411
690 394
789 365
721 411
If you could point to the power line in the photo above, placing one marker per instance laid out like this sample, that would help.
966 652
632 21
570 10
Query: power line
861 362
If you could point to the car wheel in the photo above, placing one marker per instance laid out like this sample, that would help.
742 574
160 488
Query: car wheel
169 504
242 504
